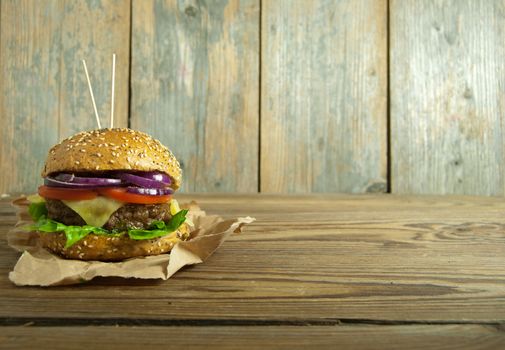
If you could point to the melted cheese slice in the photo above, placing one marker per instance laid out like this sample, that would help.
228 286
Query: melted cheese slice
35 198
174 207
97 211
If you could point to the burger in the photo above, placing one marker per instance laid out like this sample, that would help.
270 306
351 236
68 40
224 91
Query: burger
107 196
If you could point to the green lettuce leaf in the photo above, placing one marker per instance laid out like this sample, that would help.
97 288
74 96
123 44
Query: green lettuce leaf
76 233
72 233
160 228
37 210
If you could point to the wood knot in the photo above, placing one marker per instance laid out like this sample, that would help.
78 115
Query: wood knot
191 11
467 93
476 232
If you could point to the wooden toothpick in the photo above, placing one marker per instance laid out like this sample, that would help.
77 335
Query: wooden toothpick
112 90
91 93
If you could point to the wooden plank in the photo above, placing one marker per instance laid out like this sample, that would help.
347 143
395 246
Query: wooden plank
195 87
447 88
323 96
247 337
312 258
43 91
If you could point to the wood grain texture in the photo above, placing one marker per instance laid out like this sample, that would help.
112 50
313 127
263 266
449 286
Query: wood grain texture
247 337
43 90
447 88
311 259
195 87
323 96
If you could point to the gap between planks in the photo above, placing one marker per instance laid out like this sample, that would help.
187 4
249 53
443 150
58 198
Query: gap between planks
78 322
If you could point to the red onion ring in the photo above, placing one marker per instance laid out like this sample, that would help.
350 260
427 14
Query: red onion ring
71 179
142 181
50 182
149 191
148 183
157 176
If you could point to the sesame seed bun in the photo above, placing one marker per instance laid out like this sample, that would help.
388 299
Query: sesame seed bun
112 149
104 248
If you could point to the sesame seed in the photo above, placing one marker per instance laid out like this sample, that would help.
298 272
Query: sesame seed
77 162
83 150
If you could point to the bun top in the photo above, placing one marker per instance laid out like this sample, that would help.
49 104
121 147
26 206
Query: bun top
112 149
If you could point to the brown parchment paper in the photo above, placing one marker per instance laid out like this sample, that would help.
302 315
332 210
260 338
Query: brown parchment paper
38 267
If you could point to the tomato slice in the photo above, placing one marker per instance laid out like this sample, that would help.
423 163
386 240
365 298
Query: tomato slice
120 194
69 194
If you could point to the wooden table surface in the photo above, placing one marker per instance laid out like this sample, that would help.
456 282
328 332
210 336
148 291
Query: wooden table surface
359 271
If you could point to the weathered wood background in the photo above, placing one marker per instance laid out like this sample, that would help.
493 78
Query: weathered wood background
354 96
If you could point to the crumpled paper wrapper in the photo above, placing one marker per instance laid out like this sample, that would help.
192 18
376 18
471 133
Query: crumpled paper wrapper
38 267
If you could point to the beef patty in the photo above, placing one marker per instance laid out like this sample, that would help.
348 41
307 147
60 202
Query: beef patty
129 216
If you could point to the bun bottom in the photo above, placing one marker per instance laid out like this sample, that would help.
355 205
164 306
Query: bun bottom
103 248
